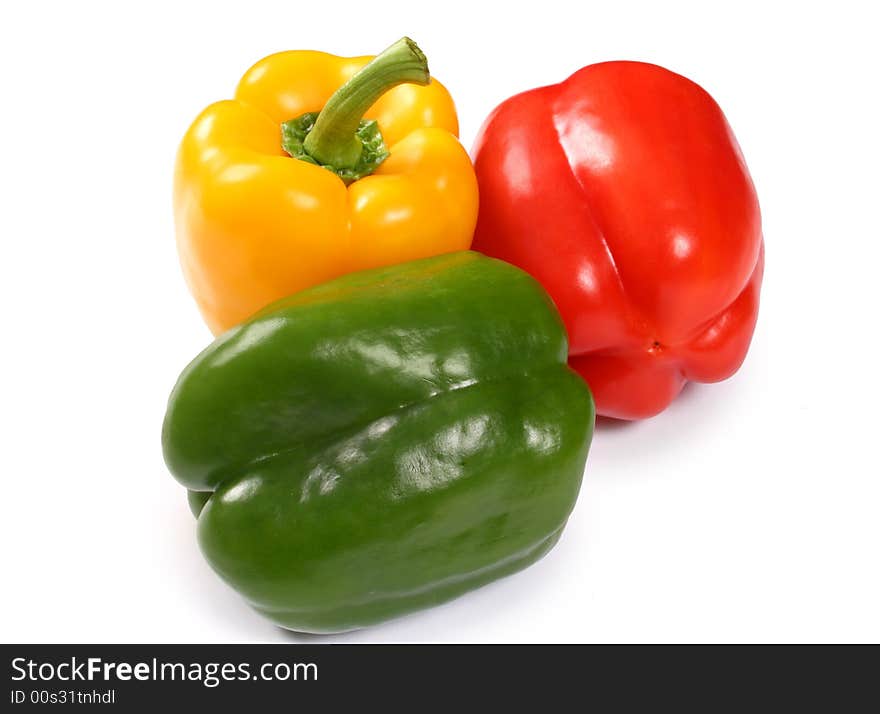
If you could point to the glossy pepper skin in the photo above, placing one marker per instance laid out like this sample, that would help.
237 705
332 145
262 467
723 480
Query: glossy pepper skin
383 442
254 224
623 190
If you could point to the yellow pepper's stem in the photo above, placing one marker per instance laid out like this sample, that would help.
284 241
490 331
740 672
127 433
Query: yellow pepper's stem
334 141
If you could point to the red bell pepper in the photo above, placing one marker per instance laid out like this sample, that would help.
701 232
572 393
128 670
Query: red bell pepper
624 192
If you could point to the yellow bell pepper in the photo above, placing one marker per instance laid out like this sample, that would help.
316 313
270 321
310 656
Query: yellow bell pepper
366 171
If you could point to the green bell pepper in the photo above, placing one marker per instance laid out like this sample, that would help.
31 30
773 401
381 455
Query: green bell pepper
383 442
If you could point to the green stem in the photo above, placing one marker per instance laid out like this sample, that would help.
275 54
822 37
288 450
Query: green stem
333 141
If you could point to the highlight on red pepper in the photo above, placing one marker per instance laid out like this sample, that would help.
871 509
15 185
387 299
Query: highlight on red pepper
624 192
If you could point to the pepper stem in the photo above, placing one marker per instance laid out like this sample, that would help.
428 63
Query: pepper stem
333 140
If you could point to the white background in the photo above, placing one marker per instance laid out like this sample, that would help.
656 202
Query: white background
746 512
